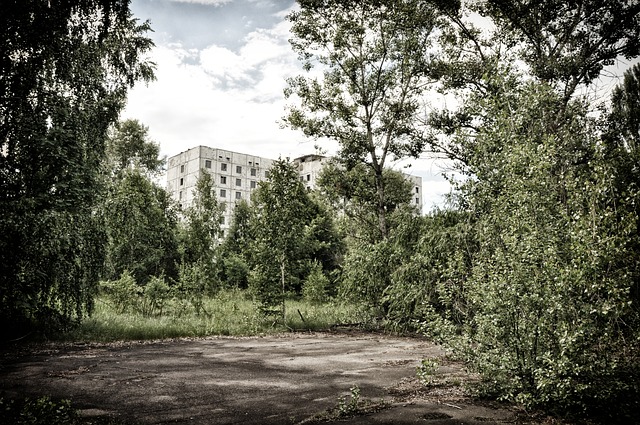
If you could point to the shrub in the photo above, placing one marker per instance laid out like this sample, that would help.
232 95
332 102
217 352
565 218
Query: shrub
193 284
156 295
314 288
123 293
236 271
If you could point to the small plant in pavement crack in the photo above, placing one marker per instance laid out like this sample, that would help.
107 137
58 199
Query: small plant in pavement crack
349 405
427 370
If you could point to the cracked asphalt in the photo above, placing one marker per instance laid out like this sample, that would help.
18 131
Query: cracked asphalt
286 379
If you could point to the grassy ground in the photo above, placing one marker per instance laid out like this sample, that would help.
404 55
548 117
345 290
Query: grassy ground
230 312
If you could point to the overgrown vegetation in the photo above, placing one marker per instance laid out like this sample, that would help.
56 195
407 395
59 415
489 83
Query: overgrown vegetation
45 411
530 273
40 411
64 75
229 312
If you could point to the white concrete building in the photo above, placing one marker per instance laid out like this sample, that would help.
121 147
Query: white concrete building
235 175
309 167
416 197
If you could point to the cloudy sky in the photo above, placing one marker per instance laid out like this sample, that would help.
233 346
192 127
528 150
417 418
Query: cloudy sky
221 70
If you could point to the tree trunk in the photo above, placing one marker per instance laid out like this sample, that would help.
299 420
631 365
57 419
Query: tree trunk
382 213
282 278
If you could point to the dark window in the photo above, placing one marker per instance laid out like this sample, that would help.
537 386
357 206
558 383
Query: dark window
223 180
253 172
223 193
417 200
417 190
238 169
182 168
253 184
180 195
181 181
238 182
223 167
207 163
308 177
238 195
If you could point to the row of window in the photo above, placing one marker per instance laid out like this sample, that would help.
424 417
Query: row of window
224 167
223 194
252 183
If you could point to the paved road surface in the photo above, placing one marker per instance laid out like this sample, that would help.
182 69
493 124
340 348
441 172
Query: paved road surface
270 380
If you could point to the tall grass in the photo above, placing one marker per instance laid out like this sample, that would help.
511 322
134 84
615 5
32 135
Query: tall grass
230 312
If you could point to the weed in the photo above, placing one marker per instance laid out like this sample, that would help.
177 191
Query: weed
427 370
349 406
37 411
229 312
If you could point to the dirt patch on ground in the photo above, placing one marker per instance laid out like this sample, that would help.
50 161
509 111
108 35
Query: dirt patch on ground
289 379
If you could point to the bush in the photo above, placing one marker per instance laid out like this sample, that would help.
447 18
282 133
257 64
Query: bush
366 272
193 284
314 288
123 293
265 287
236 271
156 295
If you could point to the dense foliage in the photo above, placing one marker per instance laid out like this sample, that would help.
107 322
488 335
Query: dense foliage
65 68
289 231
531 273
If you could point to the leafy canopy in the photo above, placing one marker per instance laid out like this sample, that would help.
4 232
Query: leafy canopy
65 68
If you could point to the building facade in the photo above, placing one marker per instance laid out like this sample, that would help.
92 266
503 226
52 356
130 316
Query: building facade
310 166
416 191
236 175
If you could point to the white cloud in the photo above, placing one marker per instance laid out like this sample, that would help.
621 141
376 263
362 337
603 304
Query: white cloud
222 62
205 2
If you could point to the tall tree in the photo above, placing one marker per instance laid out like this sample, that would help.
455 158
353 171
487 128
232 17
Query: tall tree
239 235
565 44
235 253
141 226
140 220
568 43
552 287
130 146
551 303
282 211
353 193
65 68
375 58
623 121
201 228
